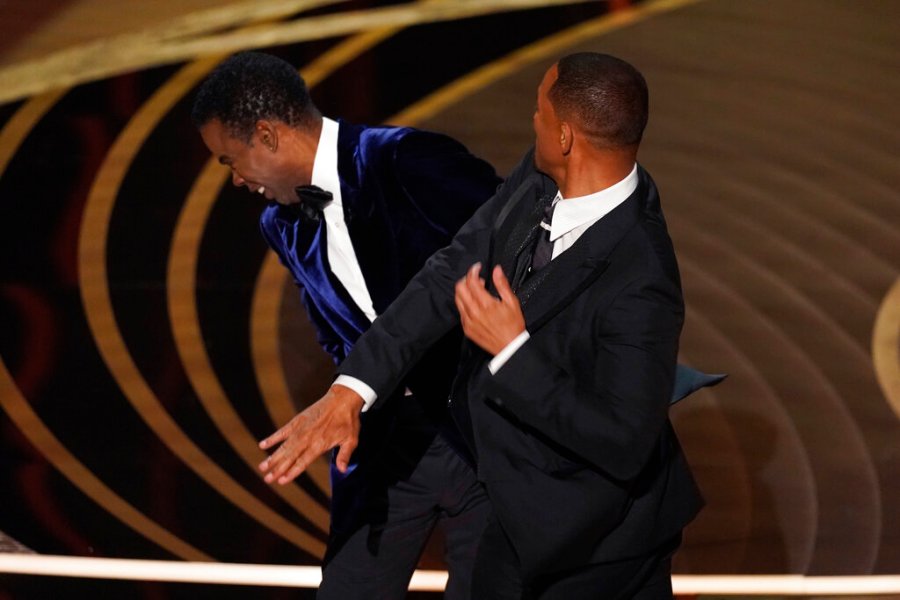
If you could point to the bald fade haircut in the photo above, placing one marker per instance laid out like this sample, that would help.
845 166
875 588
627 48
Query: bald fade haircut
253 86
604 96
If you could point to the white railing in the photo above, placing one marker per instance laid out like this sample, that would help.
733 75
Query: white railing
309 577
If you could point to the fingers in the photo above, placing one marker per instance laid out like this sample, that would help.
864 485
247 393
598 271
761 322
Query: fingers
292 458
290 475
472 284
279 464
278 438
475 303
465 289
287 463
275 438
470 290
342 460
463 302
503 287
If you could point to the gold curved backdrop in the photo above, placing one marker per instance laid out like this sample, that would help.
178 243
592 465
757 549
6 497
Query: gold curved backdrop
149 338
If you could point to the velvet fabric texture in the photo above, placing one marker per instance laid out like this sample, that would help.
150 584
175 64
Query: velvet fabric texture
404 193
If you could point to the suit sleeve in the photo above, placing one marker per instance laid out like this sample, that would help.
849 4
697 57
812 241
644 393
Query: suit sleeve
608 409
425 310
325 335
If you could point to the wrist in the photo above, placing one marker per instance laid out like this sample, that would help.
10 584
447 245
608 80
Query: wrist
347 397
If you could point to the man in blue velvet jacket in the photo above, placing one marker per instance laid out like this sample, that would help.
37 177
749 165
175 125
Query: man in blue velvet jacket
355 212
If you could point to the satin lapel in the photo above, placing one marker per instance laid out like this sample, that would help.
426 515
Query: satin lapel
314 272
560 282
364 208
349 165
311 249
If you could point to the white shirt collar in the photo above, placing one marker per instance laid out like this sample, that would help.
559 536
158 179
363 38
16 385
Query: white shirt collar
579 211
325 164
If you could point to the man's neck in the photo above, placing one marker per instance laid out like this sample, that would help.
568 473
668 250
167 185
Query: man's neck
303 144
313 134
592 171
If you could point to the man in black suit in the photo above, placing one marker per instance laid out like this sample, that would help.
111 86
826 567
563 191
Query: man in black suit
565 381
383 200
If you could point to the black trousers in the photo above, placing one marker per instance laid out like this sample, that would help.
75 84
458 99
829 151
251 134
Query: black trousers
498 576
407 499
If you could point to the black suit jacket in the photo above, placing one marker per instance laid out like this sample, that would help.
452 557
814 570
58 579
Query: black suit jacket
572 435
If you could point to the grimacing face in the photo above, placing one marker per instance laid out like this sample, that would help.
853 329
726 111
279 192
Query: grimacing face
256 165
547 131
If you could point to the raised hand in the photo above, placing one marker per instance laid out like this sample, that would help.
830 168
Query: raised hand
490 322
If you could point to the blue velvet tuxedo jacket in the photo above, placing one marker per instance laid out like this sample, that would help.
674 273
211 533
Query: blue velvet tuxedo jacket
572 434
405 193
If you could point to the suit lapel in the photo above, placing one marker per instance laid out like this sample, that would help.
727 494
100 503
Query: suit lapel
364 211
570 274
517 226
310 253
556 285
311 247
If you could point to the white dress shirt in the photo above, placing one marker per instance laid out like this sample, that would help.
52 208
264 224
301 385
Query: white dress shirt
341 257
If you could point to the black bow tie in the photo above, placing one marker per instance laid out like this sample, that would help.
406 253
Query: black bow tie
312 200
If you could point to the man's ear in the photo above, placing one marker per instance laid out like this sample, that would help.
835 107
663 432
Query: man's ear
566 137
267 134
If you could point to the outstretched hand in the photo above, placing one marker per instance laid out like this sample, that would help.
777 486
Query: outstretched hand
331 421
490 322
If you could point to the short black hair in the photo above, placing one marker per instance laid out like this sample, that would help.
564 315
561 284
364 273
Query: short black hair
604 95
250 86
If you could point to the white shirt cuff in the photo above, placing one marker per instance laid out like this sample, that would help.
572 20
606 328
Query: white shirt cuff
368 394
504 355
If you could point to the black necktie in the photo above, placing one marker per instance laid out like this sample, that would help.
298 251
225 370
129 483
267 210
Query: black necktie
312 200
543 249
